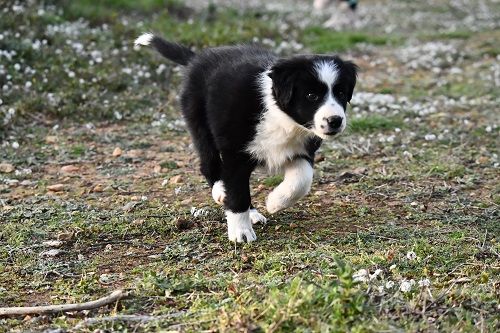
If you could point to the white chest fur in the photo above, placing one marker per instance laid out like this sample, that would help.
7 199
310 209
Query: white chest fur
278 137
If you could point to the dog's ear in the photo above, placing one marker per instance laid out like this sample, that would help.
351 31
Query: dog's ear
283 75
350 74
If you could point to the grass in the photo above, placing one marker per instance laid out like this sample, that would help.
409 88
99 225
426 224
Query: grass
401 210
322 40
374 124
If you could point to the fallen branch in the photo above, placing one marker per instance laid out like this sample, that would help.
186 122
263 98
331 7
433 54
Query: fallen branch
24 310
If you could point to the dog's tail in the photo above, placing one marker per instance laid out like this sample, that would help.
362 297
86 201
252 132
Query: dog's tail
177 53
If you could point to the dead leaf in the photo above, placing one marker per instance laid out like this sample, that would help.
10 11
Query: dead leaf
349 177
319 158
56 188
157 168
182 224
390 255
6 167
186 201
69 168
98 188
65 236
360 170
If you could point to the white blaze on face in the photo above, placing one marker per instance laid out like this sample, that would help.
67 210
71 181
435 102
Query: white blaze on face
327 73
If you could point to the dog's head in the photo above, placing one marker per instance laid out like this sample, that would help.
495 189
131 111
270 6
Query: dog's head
314 91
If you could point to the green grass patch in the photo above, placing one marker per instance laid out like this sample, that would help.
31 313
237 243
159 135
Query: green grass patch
273 180
322 40
459 34
218 26
447 171
110 10
374 124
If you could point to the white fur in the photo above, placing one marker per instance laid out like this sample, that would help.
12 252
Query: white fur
279 138
144 39
257 217
295 185
328 73
328 109
219 192
239 227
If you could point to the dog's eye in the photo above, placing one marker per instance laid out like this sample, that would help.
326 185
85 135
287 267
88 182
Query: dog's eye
341 94
312 97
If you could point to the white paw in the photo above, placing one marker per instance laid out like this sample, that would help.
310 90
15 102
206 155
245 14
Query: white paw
239 227
257 217
218 192
277 201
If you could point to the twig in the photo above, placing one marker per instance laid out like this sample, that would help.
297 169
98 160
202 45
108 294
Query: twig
139 318
24 310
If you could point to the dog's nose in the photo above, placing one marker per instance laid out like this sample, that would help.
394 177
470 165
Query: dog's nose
334 122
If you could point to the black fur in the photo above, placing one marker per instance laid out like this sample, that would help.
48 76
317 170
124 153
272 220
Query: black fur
173 51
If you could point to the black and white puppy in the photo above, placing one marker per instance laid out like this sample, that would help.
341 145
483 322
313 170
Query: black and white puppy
245 107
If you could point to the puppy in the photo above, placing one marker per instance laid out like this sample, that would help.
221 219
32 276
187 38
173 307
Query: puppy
245 108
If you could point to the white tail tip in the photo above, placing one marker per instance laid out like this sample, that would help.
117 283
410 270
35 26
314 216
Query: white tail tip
144 39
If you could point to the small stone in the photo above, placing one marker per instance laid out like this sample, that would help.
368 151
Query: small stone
129 206
51 253
117 152
51 139
12 182
320 193
6 167
52 243
175 179
69 168
56 188
157 168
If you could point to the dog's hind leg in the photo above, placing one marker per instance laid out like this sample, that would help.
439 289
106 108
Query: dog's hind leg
296 184
194 113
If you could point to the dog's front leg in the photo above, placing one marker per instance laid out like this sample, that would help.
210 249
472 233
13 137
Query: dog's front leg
236 179
296 184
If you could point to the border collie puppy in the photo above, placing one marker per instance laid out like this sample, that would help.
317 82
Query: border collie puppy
245 108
